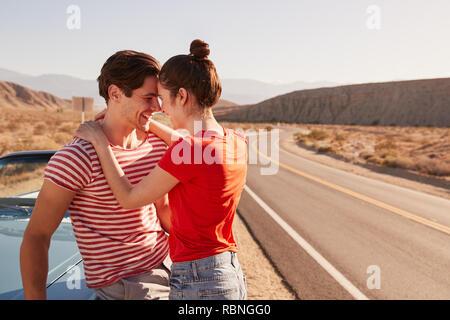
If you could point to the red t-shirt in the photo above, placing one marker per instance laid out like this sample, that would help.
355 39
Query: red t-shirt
212 171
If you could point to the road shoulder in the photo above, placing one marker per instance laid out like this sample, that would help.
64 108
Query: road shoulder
263 281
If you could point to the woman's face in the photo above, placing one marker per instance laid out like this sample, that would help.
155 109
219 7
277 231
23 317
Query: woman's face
170 107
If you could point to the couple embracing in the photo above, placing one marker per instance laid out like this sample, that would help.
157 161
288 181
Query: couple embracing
128 180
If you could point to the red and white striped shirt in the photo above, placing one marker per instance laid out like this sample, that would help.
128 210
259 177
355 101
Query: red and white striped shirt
114 242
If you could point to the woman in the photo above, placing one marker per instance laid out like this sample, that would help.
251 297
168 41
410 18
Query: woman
204 174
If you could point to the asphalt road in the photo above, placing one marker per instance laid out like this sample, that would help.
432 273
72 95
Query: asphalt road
336 235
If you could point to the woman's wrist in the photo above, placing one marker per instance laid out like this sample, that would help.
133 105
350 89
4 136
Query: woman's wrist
102 150
100 143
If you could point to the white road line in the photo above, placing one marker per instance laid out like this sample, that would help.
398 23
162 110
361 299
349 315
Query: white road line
339 277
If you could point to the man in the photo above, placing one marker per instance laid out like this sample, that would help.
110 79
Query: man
123 250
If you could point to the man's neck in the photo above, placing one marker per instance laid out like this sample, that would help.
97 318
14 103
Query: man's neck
121 134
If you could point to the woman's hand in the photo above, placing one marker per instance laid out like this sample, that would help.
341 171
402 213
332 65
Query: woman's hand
100 115
92 131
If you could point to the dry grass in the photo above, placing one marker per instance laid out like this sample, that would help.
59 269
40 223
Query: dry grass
424 150
32 129
21 178
316 139
37 129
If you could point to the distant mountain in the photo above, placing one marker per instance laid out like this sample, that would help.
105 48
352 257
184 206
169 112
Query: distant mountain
247 91
414 102
240 91
14 95
60 85
224 103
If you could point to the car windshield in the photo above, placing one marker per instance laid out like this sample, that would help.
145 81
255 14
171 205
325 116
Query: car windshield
21 178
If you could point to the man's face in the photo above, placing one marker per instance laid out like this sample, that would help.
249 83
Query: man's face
137 109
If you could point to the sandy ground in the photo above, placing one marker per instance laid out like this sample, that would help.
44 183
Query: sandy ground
263 281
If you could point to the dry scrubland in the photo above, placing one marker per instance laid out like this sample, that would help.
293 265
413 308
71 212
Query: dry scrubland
37 129
422 150
41 129
32 129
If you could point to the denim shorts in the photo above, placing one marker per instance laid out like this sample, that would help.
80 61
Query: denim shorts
218 277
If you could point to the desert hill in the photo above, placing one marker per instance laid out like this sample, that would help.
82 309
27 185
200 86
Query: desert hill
249 91
15 95
404 103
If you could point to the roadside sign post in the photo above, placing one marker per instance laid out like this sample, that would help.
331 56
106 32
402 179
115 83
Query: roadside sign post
82 110
83 104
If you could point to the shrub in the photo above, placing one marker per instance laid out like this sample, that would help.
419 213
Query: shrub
398 162
340 137
39 129
434 166
12 126
62 138
68 128
4 147
366 155
317 135
300 137
387 144
375 160
326 148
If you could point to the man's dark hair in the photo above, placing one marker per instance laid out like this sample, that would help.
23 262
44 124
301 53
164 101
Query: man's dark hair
127 70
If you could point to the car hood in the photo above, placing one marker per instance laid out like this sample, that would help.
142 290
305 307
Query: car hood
64 259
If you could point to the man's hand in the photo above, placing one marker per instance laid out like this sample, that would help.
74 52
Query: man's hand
51 206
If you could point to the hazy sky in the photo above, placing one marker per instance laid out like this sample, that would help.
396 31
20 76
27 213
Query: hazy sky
349 41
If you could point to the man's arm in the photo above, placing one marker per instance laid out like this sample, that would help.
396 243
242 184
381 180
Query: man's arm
51 205
163 212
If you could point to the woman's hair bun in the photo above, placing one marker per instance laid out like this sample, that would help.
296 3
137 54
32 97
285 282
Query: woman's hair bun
199 49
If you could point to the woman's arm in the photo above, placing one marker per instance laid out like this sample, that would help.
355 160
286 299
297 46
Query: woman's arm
151 188
167 134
